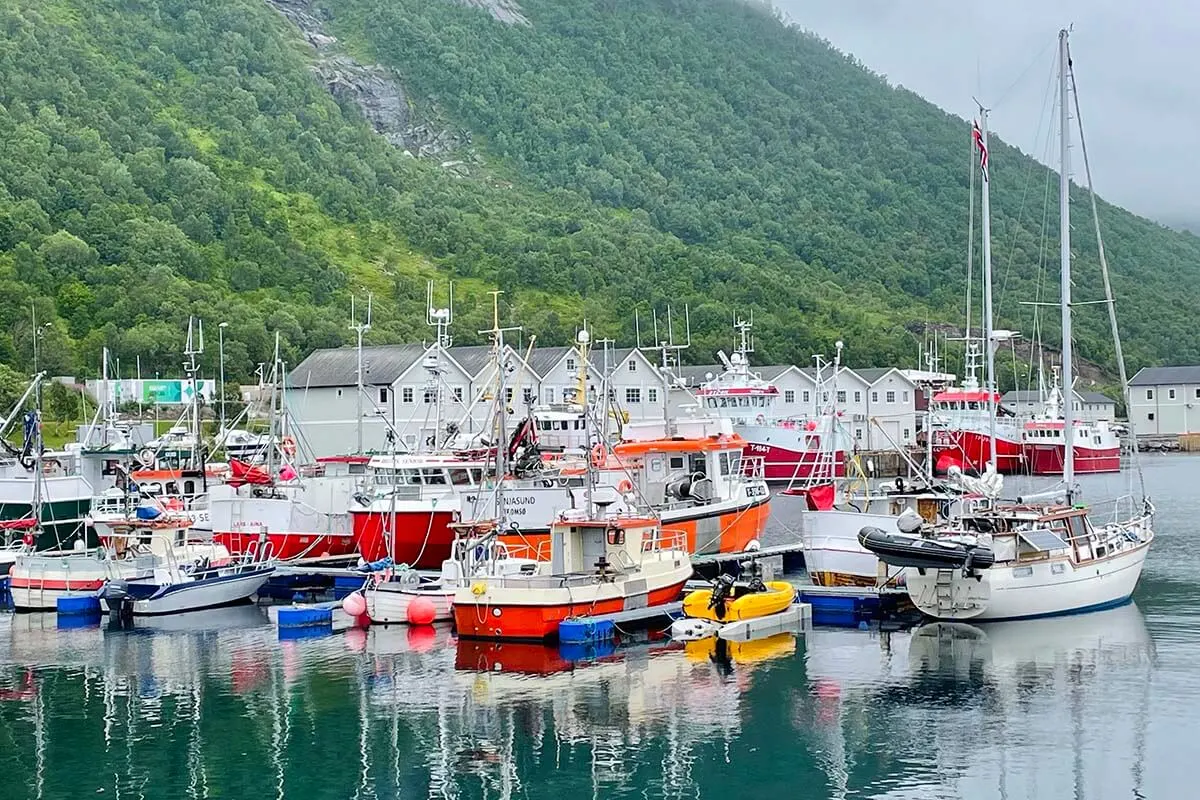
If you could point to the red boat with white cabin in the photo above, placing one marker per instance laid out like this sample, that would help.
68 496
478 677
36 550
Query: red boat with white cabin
962 428
792 449
1097 446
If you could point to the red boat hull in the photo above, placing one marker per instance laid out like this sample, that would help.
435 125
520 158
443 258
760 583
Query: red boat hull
971 452
540 622
422 540
288 546
1047 459
784 464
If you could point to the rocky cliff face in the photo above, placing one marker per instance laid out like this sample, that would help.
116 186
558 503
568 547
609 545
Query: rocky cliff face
375 90
505 11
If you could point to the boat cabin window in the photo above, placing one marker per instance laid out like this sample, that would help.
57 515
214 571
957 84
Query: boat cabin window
731 463
615 536
172 488
676 462
1078 527
357 469
189 487
697 463
460 477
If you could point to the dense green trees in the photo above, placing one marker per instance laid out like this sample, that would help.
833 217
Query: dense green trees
170 158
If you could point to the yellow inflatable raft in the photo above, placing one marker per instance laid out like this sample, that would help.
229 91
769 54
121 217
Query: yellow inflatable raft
739 602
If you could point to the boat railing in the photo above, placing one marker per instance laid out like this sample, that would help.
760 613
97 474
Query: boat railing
667 539
754 467
259 551
1117 510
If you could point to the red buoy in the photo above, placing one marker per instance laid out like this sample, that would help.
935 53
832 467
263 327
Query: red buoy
421 611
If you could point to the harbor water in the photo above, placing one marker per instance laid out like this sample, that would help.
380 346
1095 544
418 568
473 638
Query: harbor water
215 705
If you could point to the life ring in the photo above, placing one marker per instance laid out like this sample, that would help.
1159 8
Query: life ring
147 458
625 486
28 538
598 456
760 419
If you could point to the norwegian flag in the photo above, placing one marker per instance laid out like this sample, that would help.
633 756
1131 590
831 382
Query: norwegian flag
977 134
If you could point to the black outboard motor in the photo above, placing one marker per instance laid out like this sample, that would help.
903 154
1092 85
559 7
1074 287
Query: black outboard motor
116 594
722 588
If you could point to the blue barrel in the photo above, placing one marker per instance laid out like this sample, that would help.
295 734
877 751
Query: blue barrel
305 617
575 631
77 605
586 651
309 632
68 621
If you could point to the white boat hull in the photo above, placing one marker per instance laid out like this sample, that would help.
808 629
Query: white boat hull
832 554
207 593
1022 591
389 605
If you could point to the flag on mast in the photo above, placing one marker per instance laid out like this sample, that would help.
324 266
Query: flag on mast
977 134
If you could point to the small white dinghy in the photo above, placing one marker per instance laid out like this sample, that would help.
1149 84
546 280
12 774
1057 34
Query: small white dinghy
476 554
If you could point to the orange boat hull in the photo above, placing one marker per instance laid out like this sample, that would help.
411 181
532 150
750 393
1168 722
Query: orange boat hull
535 622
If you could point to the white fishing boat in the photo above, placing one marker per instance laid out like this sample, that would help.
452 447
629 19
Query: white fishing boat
169 585
1046 558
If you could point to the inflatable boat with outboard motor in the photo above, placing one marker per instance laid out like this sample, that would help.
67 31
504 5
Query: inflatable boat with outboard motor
917 552
731 600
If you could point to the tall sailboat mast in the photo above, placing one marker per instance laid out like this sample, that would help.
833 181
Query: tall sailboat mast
988 332
1064 213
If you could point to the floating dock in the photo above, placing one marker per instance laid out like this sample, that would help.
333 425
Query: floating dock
792 619
600 627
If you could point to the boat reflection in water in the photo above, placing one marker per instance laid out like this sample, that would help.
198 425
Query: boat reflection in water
501 705
991 709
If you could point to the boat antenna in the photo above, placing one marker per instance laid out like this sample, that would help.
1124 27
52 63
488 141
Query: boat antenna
193 348
583 340
668 353
1064 225
496 334
272 437
440 320
360 328
1108 292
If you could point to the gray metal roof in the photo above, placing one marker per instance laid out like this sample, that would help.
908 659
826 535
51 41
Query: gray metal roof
473 359
382 365
1159 376
872 374
693 375
544 359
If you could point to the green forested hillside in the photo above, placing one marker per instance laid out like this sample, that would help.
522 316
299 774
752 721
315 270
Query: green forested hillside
162 158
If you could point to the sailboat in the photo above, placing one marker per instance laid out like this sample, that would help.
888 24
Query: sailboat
1031 559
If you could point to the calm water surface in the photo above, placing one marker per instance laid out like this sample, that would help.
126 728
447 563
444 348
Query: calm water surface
1105 705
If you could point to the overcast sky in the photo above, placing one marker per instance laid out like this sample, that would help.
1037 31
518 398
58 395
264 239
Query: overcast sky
1136 64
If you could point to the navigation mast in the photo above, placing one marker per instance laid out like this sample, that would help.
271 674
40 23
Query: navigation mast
1064 214
360 328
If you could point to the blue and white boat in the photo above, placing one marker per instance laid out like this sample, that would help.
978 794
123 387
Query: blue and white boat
171 587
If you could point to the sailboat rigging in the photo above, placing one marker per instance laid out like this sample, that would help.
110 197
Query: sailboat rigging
1024 559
